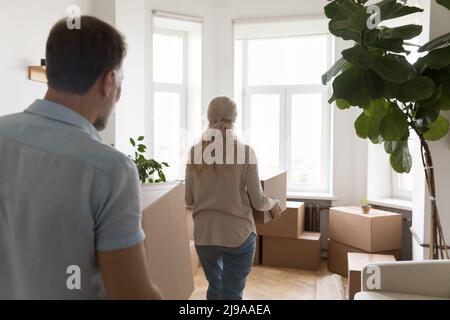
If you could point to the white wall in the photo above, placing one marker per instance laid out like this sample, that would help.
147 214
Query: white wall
132 20
24 27
106 11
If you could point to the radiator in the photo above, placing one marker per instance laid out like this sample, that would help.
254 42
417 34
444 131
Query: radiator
312 217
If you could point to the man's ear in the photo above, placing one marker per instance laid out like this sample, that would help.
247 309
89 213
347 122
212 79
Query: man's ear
108 83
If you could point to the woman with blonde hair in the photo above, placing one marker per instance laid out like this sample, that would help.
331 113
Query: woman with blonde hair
222 186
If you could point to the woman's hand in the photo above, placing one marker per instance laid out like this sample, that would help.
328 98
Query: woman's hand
276 211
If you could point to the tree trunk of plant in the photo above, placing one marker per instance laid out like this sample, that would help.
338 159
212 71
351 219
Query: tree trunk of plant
438 246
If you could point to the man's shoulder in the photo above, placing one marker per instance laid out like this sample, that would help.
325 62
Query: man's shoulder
104 157
64 141
10 119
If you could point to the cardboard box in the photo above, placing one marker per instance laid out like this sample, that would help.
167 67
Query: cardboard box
190 224
258 252
374 232
274 186
338 256
167 241
356 263
290 225
194 259
302 253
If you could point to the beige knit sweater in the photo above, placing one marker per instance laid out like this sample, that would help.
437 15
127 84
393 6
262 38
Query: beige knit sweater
221 197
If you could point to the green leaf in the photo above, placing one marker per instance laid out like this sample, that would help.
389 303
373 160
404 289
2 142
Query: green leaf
133 143
438 129
331 10
368 124
362 126
348 86
401 160
162 177
141 138
392 9
438 59
344 29
334 70
141 149
406 32
443 40
165 164
389 146
391 45
420 65
392 69
444 101
358 56
343 104
426 116
346 8
419 88
445 3
374 84
394 125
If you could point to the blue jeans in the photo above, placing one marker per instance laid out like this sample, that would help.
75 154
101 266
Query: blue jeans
226 269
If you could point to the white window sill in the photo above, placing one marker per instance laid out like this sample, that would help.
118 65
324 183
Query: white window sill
311 196
393 203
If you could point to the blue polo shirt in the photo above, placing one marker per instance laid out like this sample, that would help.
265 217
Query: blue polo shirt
64 195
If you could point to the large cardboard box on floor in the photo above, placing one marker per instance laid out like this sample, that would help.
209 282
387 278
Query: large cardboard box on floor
190 224
290 225
338 256
258 255
167 241
274 186
194 258
301 253
374 232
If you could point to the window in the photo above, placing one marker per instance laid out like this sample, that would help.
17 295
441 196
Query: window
176 107
169 102
286 117
402 185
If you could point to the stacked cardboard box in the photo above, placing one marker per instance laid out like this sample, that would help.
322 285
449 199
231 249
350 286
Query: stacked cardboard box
351 230
167 241
274 186
285 244
194 256
258 255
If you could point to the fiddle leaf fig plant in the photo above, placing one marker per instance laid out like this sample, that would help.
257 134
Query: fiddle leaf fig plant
147 168
396 97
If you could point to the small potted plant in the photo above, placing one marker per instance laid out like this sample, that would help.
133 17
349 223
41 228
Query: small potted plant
150 170
365 206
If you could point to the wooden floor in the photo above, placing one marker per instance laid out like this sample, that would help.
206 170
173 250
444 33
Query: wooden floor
268 283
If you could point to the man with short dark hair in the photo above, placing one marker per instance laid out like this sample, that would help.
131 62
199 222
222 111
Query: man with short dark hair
70 217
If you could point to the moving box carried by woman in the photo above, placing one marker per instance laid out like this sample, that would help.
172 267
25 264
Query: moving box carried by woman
221 188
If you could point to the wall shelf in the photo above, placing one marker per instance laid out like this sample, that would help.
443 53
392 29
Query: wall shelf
37 73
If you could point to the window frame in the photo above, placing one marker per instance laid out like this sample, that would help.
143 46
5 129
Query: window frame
181 89
286 92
